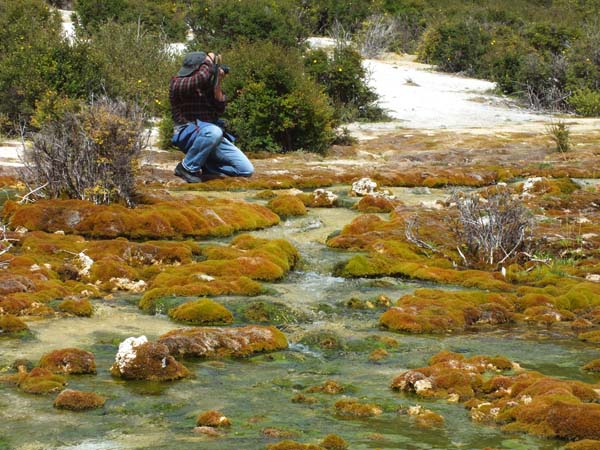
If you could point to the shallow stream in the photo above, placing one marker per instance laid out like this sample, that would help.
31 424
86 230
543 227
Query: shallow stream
255 394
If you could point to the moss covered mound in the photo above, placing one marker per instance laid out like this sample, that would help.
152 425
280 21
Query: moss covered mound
353 408
171 219
10 324
436 311
287 206
78 400
77 307
148 361
524 402
231 269
223 342
40 381
202 312
69 361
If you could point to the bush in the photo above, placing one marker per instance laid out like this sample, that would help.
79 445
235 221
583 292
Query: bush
273 105
90 155
28 33
493 231
456 46
345 81
219 24
559 132
164 16
136 66
585 102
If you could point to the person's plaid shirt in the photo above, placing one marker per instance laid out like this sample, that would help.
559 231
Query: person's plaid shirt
192 97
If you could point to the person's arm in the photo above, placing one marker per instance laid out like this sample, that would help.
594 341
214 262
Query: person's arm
219 95
199 80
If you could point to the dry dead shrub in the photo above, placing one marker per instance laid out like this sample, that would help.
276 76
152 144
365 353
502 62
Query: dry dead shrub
377 34
89 155
491 231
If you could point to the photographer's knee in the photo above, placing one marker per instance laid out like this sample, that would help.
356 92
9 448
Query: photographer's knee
213 133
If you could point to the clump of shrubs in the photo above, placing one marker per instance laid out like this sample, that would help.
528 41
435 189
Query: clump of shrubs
88 155
345 81
273 106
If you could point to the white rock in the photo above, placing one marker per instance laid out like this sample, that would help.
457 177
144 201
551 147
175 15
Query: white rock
127 353
125 284
86 264
204 277
423 385
364 186
325 196
593 277
529 184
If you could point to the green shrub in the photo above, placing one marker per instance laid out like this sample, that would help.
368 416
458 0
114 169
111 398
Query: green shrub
219 24
456 46
165 132
273 105
586 102
165 16
347 13
560 132
136 66
345 81
28 33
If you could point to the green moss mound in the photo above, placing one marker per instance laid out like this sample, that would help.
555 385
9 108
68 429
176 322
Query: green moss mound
201 312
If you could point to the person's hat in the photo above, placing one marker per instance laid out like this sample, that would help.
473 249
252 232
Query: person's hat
191 62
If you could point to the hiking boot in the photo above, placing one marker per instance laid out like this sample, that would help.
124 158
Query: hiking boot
190 177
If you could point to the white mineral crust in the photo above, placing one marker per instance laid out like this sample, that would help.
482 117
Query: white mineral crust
127 352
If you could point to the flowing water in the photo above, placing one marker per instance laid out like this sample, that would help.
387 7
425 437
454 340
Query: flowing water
256 393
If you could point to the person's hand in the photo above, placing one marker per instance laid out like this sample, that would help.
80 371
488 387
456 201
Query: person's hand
211 57
221 74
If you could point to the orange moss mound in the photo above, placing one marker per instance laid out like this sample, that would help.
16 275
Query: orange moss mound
212 419
526 402
227 270
80 308
152 362
11 324
40 381
354 408
331 387
287 206
593 366
78 400
69 361
434 311
334 442
223 342
175 219
377 204
202 312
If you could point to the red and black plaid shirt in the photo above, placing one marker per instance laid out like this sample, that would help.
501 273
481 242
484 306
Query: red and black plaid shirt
192 97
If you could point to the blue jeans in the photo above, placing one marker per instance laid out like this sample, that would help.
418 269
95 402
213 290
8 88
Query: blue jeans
214 154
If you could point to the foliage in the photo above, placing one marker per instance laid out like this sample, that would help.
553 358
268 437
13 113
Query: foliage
273 105
90 155
586 102
136 66
220 24
345 81
164 16
559 132
455 46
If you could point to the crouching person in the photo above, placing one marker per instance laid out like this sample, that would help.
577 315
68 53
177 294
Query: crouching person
197 101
